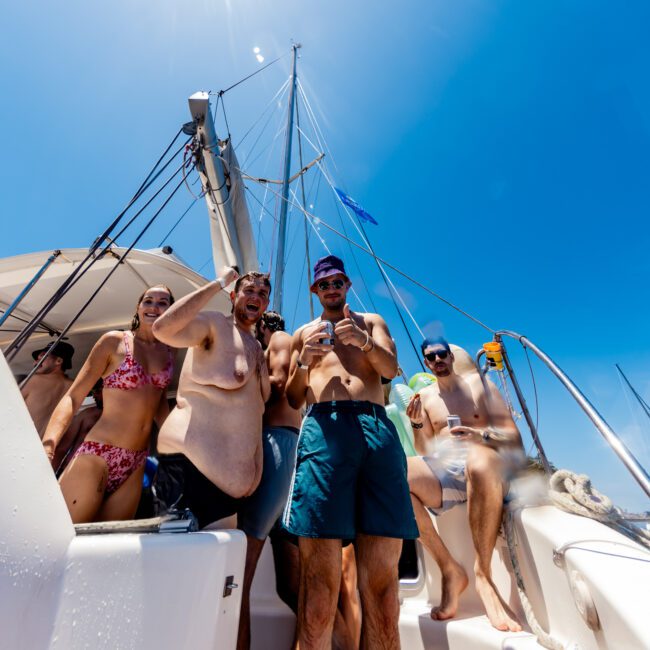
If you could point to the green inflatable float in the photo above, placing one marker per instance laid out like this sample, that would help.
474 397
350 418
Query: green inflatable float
400 395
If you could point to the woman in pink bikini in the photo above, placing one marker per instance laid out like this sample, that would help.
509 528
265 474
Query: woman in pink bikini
103 480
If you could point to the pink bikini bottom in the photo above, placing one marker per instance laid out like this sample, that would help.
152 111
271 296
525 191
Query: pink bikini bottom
121 462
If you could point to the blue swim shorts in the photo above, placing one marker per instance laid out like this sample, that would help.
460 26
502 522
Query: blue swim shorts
263 508
350 475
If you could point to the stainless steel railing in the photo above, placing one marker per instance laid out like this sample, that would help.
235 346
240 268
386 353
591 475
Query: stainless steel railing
620 449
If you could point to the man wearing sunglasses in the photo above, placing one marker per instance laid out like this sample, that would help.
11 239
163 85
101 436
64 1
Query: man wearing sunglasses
350 477
468 463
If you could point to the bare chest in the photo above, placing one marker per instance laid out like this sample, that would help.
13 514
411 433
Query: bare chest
463 403
229 362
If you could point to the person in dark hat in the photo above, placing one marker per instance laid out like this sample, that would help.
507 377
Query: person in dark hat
350 478
49 383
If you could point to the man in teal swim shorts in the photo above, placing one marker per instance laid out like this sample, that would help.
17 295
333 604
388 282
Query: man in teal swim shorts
350 477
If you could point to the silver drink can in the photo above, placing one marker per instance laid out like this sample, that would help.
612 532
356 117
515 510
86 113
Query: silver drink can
453 421
328 331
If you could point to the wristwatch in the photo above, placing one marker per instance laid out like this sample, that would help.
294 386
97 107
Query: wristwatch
301 366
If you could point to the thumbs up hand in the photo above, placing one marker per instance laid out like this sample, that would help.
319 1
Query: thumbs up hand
348 332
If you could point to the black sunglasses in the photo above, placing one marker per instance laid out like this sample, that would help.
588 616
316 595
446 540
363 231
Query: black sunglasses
441 354
324 285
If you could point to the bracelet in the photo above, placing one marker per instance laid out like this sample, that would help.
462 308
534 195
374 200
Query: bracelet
368 340
417 425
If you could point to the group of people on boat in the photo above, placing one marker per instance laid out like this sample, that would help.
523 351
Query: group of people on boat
287 435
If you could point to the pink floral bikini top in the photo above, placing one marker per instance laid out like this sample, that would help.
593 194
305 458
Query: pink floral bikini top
131 375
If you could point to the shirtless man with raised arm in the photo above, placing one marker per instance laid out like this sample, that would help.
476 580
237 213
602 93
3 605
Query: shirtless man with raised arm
212 438
49 383
350 477
471 463
211 443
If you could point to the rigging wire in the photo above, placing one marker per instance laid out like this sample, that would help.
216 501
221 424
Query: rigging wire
532 376
46 329
191 205
304 203
101 285
392 289
89 260
317 130
198 178
295 308
354 257
225 117
642 402
633 414
405 275
281 130
241 81
148 203
327 248
277 95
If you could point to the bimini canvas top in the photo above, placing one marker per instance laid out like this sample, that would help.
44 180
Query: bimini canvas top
112 308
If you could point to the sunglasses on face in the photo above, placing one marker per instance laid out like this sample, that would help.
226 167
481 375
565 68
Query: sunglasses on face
441 354
324 285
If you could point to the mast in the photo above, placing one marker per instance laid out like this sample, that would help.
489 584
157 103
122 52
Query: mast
282 229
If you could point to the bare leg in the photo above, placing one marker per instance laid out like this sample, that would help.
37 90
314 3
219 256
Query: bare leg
426 491
349 603
254 548
485 505
377 560
83 484
287 571
320 580
341 637
123 503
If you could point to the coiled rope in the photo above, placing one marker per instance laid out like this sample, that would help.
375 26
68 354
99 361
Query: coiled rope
572 493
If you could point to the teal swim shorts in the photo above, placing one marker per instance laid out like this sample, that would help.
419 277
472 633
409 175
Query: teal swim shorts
350 475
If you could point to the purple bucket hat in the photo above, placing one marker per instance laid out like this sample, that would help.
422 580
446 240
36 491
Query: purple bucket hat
326 267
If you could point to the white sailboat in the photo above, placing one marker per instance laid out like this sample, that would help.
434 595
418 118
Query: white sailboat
578 582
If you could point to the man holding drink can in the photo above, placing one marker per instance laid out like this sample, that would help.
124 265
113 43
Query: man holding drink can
350 477
477 443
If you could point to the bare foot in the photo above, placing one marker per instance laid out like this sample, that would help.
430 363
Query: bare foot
499 614
454 582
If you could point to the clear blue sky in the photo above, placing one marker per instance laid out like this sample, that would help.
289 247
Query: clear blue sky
504 148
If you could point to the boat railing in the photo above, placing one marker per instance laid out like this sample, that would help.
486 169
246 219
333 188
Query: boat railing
613 440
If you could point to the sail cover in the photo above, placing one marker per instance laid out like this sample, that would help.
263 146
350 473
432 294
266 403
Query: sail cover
232 243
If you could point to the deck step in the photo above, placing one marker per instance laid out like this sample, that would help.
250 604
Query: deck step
418 631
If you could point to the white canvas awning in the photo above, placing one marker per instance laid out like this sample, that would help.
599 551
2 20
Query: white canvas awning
112 308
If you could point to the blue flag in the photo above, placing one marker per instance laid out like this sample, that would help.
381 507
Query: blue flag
355 207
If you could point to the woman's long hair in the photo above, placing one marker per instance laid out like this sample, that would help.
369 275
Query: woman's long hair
135 321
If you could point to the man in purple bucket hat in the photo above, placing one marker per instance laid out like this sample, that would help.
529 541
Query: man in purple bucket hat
350 477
